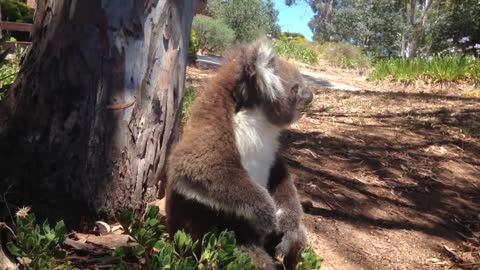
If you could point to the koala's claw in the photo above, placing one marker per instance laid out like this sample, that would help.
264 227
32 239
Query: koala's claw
294 238
282 249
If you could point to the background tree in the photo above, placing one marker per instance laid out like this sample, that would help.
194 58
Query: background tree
376 26
214 36
87 126
249 19
271 20
417 17
457 23
404 28
321 23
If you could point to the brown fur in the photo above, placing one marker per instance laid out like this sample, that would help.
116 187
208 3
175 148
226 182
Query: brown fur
207 163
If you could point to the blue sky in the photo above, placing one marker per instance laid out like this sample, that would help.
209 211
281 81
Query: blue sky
295 18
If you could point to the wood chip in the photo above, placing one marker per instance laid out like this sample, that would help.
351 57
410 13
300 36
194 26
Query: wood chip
111 241
103 228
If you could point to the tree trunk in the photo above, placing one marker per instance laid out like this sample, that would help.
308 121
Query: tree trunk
418 28
88 124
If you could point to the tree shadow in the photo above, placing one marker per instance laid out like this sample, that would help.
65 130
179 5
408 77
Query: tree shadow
316 81
414 169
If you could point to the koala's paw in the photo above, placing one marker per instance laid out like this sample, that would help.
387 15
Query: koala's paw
292 240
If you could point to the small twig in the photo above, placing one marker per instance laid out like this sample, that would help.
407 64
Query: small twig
119 106
3 225
4 195
452 252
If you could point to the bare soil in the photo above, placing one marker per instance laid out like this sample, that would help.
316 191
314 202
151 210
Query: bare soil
389 175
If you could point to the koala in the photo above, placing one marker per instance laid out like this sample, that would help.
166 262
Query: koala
226 171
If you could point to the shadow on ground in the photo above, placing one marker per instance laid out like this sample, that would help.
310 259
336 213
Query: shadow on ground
389 161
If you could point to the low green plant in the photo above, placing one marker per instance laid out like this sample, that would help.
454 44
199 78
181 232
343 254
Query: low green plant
439 69
309 260
190 95
293 37
9 68
193 47
214 36
154 250
343 55
8 74
39 247
149 246
297 51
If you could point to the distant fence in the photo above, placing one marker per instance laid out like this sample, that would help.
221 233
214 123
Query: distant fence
14 26
20 27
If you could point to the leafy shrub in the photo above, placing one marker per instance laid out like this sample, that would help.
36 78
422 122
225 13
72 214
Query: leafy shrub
297 51
309 260
249 19
39 246
193 47
8 68
219 251
440 69
295 37
213 35
343 55
8 74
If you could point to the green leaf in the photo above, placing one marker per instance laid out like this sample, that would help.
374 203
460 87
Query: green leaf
139 250
126 219
309 260
153 212
152 222
59 254
14 250
121 252
60 229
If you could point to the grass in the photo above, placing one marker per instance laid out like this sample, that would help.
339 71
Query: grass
436 69
471 93
190 95
297 51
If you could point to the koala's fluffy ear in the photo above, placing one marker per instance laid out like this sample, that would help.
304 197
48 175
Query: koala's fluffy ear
259 79
268 82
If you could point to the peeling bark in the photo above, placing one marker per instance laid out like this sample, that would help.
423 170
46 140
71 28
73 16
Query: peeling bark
87 126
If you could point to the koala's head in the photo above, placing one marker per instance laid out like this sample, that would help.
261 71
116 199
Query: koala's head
271 84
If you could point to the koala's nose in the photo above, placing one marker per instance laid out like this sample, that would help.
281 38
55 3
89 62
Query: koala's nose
307 97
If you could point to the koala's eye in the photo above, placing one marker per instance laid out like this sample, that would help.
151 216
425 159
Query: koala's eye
295 88
271 62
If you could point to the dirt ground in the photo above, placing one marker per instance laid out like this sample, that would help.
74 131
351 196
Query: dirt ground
389 175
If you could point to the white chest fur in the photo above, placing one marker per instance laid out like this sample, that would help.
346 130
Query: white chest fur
257 142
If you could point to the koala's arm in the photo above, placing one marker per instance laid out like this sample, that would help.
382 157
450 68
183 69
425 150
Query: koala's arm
228 188
289 210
